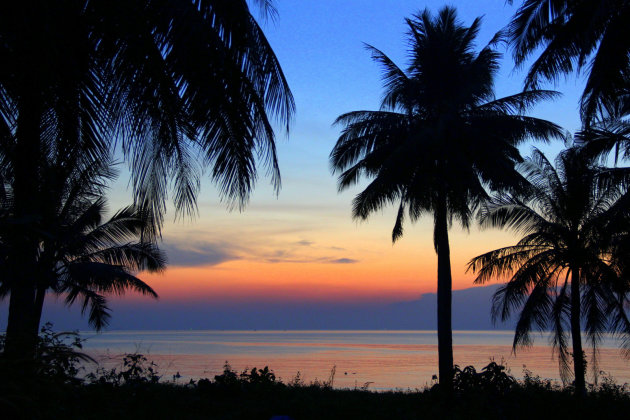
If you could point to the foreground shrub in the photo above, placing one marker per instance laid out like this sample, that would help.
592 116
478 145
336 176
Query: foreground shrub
57 357
136 369
492 378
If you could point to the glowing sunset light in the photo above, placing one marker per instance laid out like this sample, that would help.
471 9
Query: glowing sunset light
366 267
243 281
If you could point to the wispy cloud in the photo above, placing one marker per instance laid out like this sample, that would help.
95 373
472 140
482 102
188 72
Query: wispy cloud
344 261
198 254
314 260
191 250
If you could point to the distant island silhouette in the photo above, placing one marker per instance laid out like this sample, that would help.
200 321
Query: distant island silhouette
471 311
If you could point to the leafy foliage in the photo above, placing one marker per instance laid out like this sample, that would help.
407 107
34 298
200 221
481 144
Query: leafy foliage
175 86
125 70
570 266
58 357
136 369
440 131
493 378
137 390
81 256
586 35
58 354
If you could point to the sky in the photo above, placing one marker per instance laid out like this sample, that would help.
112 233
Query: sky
302 247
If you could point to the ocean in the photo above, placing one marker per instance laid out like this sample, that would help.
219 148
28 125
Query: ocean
378 360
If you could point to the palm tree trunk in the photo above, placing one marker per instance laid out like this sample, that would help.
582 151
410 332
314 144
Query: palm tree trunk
445 333
20 339
20 342
576 335
37 310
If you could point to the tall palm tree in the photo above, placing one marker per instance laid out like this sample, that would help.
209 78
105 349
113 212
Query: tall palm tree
174 85
439 140
568 272
576 35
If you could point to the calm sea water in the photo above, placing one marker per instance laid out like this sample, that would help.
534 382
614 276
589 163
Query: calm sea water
384 359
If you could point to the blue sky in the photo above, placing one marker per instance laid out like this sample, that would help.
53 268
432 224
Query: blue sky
321 47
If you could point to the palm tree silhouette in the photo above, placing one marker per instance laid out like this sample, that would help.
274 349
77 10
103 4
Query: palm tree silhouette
80 256
606 136
174 85
439 140
569 269
589 35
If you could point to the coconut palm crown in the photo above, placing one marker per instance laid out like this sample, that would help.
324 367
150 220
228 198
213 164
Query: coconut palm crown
438 142
576 35
175 84
568 272
81 256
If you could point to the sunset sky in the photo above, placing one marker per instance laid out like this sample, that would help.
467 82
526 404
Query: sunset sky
303 246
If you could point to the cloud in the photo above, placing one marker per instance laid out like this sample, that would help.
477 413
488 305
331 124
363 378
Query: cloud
316 260
190 250
198 254
344 261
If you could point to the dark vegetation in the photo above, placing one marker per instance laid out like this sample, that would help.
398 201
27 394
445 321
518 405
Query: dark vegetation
83 79
136 390
175 86
573 222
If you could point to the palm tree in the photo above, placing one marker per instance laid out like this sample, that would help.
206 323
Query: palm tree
569 269
439 140
174 85
576 35
94 258
80 256
607 135
84 257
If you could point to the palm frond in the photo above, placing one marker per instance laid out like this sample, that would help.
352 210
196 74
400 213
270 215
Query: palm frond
395 81
519 102
559 315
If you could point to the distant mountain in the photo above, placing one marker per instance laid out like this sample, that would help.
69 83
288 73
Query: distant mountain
471 311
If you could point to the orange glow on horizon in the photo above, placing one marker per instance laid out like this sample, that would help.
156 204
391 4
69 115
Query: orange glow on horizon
273 260
247 281
242 280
